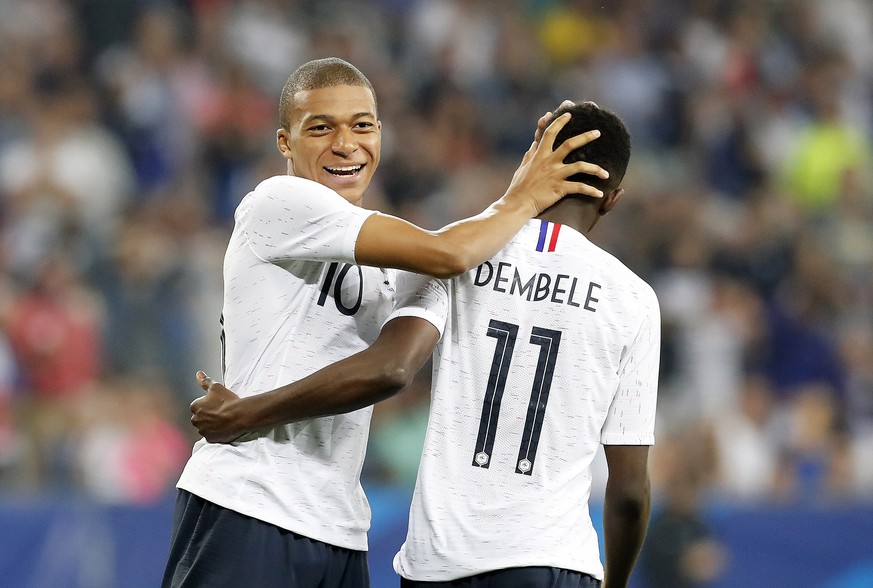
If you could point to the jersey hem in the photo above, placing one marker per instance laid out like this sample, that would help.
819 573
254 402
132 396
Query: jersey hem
217 498
440 576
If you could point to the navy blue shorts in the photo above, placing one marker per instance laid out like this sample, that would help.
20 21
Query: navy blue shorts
215 547
532 577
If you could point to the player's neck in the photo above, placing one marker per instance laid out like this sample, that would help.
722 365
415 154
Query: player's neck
576 213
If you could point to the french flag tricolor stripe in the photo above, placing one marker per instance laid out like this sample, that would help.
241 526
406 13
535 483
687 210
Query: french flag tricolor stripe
548 234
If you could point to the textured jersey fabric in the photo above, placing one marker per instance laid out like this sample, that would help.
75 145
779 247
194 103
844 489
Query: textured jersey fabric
548 350
294 302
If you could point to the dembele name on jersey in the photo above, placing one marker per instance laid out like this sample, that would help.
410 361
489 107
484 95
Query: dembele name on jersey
539 286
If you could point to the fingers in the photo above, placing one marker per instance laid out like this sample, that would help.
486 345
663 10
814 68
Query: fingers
575 143
530 152
541 126
585 189
584 167
547 118
203 380
546 131
553 128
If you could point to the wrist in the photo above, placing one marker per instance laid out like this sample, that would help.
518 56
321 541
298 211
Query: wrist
519 203
239 416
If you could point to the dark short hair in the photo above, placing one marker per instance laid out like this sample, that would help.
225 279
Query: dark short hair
319 73
611 150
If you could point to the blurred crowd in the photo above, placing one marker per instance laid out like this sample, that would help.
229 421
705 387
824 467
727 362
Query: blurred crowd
130 129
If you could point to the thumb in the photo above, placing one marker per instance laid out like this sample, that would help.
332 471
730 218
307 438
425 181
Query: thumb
203 380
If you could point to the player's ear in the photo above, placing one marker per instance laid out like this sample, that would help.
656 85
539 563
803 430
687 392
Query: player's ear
609 200
283 142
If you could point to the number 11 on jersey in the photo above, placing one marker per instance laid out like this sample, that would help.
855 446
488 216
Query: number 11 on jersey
548 341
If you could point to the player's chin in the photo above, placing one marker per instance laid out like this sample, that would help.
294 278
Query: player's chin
352 191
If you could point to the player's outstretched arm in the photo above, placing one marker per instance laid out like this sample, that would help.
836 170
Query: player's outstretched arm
382 370
626 510
540 181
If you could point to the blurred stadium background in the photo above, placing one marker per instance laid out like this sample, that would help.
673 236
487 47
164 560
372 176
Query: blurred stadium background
129 130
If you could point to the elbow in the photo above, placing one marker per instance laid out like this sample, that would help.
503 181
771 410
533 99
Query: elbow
453 263
391 380
398 378
447 257
449 273
634 508
630 503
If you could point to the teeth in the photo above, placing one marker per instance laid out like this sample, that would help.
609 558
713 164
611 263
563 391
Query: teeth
348 169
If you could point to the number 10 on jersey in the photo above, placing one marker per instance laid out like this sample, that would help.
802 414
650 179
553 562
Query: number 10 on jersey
506 333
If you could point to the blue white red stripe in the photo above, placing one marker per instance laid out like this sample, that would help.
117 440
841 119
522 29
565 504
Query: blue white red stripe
548 236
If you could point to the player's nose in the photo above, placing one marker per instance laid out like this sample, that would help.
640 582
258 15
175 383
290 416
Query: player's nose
344 142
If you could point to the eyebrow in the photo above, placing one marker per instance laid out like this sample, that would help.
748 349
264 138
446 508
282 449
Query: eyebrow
331 119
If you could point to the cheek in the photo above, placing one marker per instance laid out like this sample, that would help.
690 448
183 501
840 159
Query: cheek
306 157
375 149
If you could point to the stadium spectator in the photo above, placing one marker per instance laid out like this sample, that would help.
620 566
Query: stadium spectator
736 90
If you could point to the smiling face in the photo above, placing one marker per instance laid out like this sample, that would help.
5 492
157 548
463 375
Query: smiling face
333 138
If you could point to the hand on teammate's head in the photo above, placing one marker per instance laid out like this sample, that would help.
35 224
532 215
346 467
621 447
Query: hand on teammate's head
546 119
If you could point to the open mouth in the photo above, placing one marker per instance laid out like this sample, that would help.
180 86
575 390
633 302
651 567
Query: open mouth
344 170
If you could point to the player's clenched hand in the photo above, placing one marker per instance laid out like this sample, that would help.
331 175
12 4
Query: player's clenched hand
213 413
541 179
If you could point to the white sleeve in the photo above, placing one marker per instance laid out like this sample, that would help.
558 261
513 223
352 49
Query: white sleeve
287 217
423 297
631 416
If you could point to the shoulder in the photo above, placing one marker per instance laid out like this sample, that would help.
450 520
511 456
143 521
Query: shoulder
281 185
284 194
630 282
639 287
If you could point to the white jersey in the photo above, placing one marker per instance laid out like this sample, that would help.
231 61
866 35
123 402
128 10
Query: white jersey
548 350
294 302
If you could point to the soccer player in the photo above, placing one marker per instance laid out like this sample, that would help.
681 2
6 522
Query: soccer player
542 353
303 288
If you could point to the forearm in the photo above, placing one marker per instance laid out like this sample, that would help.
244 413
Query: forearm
625 521
387 241
371 375
348 385
476 239
539 182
